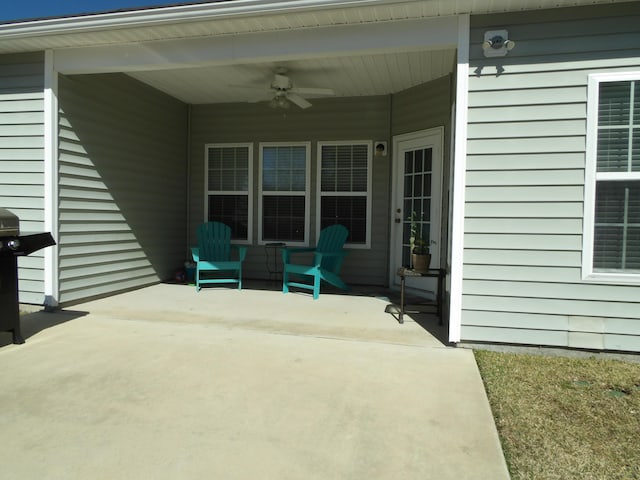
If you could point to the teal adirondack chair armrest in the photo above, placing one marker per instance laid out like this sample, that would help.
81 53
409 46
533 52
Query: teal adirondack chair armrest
325 265
339 256
242 251
288 251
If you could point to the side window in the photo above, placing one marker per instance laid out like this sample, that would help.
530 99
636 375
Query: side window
344 178
284 193
612 188
229 187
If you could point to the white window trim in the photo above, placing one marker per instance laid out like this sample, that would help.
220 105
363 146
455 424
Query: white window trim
591 176
307 191
369 144
249 240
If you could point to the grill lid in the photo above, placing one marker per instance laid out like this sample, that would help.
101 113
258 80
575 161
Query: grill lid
9 223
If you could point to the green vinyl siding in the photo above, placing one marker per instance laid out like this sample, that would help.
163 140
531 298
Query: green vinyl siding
522 273
22 158
525 181
522 241
122 184
423 107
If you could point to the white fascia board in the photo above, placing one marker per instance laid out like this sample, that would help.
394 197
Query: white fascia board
387 37
172 14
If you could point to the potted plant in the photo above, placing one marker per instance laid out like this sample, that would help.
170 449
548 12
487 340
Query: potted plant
420 256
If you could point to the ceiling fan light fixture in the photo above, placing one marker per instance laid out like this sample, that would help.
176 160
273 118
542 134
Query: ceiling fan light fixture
280 101
285 96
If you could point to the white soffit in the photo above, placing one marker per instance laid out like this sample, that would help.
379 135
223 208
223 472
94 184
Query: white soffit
242 16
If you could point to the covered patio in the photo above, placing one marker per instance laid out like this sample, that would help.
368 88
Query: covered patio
166 382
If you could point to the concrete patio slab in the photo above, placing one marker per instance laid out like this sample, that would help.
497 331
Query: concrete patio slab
167 383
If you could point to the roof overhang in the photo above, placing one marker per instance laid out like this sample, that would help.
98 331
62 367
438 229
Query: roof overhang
199 52
241 16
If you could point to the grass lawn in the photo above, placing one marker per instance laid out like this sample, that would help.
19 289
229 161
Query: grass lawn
565 418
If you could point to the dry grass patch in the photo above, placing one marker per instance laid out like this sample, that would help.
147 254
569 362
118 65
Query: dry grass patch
565 418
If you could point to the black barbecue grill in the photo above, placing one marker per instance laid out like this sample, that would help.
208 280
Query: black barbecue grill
12 246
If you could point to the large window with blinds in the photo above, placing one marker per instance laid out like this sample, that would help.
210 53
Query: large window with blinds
612 188
229 187
284 193
344 189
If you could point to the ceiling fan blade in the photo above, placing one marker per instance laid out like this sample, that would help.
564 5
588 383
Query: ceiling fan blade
298 100
259 98
313 91
250 87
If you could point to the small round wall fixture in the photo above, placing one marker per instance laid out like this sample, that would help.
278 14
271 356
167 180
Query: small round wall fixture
380 149
496 43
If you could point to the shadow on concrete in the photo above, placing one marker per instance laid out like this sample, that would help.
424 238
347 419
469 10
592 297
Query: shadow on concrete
33 323
426 320
429 322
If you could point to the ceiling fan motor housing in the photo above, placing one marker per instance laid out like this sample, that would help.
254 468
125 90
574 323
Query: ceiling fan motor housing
281 82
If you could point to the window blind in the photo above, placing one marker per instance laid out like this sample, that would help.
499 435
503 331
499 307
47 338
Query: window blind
616 242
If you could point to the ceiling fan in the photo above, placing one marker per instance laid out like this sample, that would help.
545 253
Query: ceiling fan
283 93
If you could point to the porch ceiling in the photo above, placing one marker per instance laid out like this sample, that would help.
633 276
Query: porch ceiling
351 76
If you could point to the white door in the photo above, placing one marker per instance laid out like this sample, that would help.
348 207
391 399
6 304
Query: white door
417 190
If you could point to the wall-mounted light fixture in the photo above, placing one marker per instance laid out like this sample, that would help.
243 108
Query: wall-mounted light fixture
496 43
381 149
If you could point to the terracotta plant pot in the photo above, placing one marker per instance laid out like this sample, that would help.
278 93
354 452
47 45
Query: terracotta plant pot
420 262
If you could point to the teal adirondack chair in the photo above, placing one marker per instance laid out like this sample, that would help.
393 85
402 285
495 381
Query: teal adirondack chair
327 260
213 254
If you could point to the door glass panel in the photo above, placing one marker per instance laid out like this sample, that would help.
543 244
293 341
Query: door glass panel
408 162
417 186
416 198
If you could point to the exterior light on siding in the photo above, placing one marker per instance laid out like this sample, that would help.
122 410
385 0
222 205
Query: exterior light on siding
381 149
496 43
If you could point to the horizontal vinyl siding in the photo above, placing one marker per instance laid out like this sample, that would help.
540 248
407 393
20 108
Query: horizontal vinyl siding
422 107
525 181
122 170
22 158
329 119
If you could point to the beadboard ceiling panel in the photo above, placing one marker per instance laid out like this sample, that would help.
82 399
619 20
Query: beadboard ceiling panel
347 76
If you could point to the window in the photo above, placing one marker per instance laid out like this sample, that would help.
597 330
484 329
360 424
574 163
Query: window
229 187
284 192
612 185
344 180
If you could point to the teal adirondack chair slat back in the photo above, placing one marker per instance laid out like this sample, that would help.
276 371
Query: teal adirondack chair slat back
214 253
332 240
214 241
